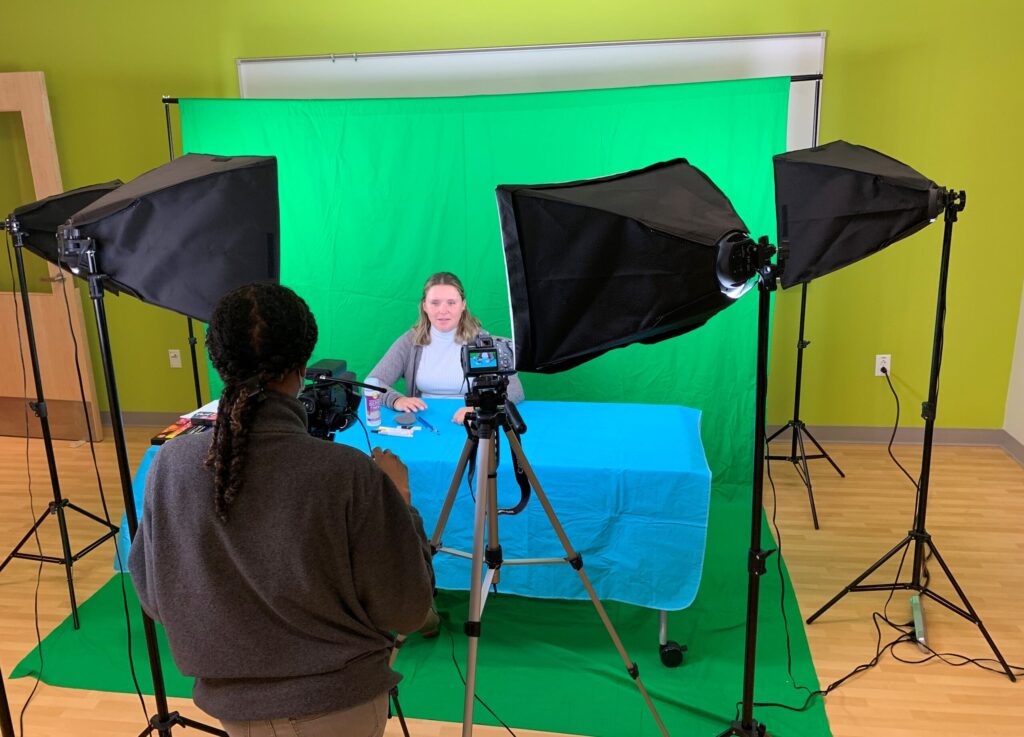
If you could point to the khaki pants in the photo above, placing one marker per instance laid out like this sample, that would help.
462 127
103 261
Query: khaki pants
364 720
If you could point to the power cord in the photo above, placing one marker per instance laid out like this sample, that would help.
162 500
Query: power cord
451 640
99 485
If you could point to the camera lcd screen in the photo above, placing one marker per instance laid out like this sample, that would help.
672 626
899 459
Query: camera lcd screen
479 360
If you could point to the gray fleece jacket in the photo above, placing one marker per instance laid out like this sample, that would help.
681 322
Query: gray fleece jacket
286 609
403 360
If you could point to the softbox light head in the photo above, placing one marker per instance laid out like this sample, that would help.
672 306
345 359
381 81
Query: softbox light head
38 221
599 264
184 234
838 203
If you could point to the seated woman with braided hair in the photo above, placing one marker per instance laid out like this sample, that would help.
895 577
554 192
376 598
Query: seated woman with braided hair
279 564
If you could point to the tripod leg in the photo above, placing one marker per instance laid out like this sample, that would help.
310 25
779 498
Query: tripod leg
974 615
824 452
576 561
778 432
878 564
807 479
484 455
453 491
21 543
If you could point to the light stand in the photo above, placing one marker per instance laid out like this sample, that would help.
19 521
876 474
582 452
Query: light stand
797 452
80 255
59 505
767 273
919 536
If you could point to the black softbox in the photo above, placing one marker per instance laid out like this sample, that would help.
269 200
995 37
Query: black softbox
182 235
601 263
840 202
39 221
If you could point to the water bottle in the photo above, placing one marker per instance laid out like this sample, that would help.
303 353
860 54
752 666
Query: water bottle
372 397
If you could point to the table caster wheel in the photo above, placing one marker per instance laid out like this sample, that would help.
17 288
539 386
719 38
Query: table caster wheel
672 654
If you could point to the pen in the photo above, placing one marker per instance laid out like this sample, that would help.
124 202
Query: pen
427 425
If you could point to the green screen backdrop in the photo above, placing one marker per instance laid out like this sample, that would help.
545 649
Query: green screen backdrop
376 195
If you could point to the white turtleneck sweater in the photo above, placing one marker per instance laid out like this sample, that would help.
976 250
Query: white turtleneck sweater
439 375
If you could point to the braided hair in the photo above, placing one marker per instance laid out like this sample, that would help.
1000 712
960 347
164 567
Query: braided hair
258 333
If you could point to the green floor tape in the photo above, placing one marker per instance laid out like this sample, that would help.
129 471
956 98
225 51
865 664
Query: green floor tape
546 665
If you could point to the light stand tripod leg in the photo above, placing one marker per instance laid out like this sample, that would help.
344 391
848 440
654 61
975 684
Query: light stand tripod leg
824 453
853 585
6 726
970 609
576 561
807 479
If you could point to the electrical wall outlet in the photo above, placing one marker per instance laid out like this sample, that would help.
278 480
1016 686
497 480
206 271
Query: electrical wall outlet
174 355
883 360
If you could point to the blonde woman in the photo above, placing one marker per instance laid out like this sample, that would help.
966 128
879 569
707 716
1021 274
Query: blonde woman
428 355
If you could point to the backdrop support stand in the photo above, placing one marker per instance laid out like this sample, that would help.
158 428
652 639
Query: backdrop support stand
167 101
59 506
797 452
919 536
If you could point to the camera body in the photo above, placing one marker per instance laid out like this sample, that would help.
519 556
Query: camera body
488 356
330 407
487 363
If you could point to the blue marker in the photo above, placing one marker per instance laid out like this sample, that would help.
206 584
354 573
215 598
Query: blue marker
427 425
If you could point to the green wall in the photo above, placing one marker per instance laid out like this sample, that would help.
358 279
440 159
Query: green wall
931 83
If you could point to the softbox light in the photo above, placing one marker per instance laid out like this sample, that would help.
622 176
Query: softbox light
184 234
39 221
602 263
839 203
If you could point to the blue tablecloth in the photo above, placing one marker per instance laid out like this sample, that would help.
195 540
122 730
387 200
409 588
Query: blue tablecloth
629 483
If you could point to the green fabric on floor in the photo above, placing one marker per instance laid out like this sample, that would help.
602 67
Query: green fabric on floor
546 665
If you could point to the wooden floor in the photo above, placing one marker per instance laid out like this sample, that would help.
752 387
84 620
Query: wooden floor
976 511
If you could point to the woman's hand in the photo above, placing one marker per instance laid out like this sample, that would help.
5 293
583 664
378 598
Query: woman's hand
460 414
410 404
395 470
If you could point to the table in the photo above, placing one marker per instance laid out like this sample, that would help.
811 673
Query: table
629 483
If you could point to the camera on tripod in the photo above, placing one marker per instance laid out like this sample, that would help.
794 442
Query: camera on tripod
487 363
330 404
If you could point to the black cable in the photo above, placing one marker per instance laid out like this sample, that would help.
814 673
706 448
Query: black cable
31 498
782 582
369 449
103 497
915 482
895 427
876 616
451 639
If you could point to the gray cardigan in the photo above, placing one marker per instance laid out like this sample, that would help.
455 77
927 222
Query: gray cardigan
402 361
286 609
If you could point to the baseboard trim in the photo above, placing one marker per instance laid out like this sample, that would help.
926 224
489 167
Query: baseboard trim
915 436
143 418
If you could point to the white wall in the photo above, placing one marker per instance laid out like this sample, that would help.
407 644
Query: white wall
1014 422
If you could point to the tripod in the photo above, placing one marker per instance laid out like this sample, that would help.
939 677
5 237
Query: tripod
492 412
797 453
59 506
919 536
80 255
